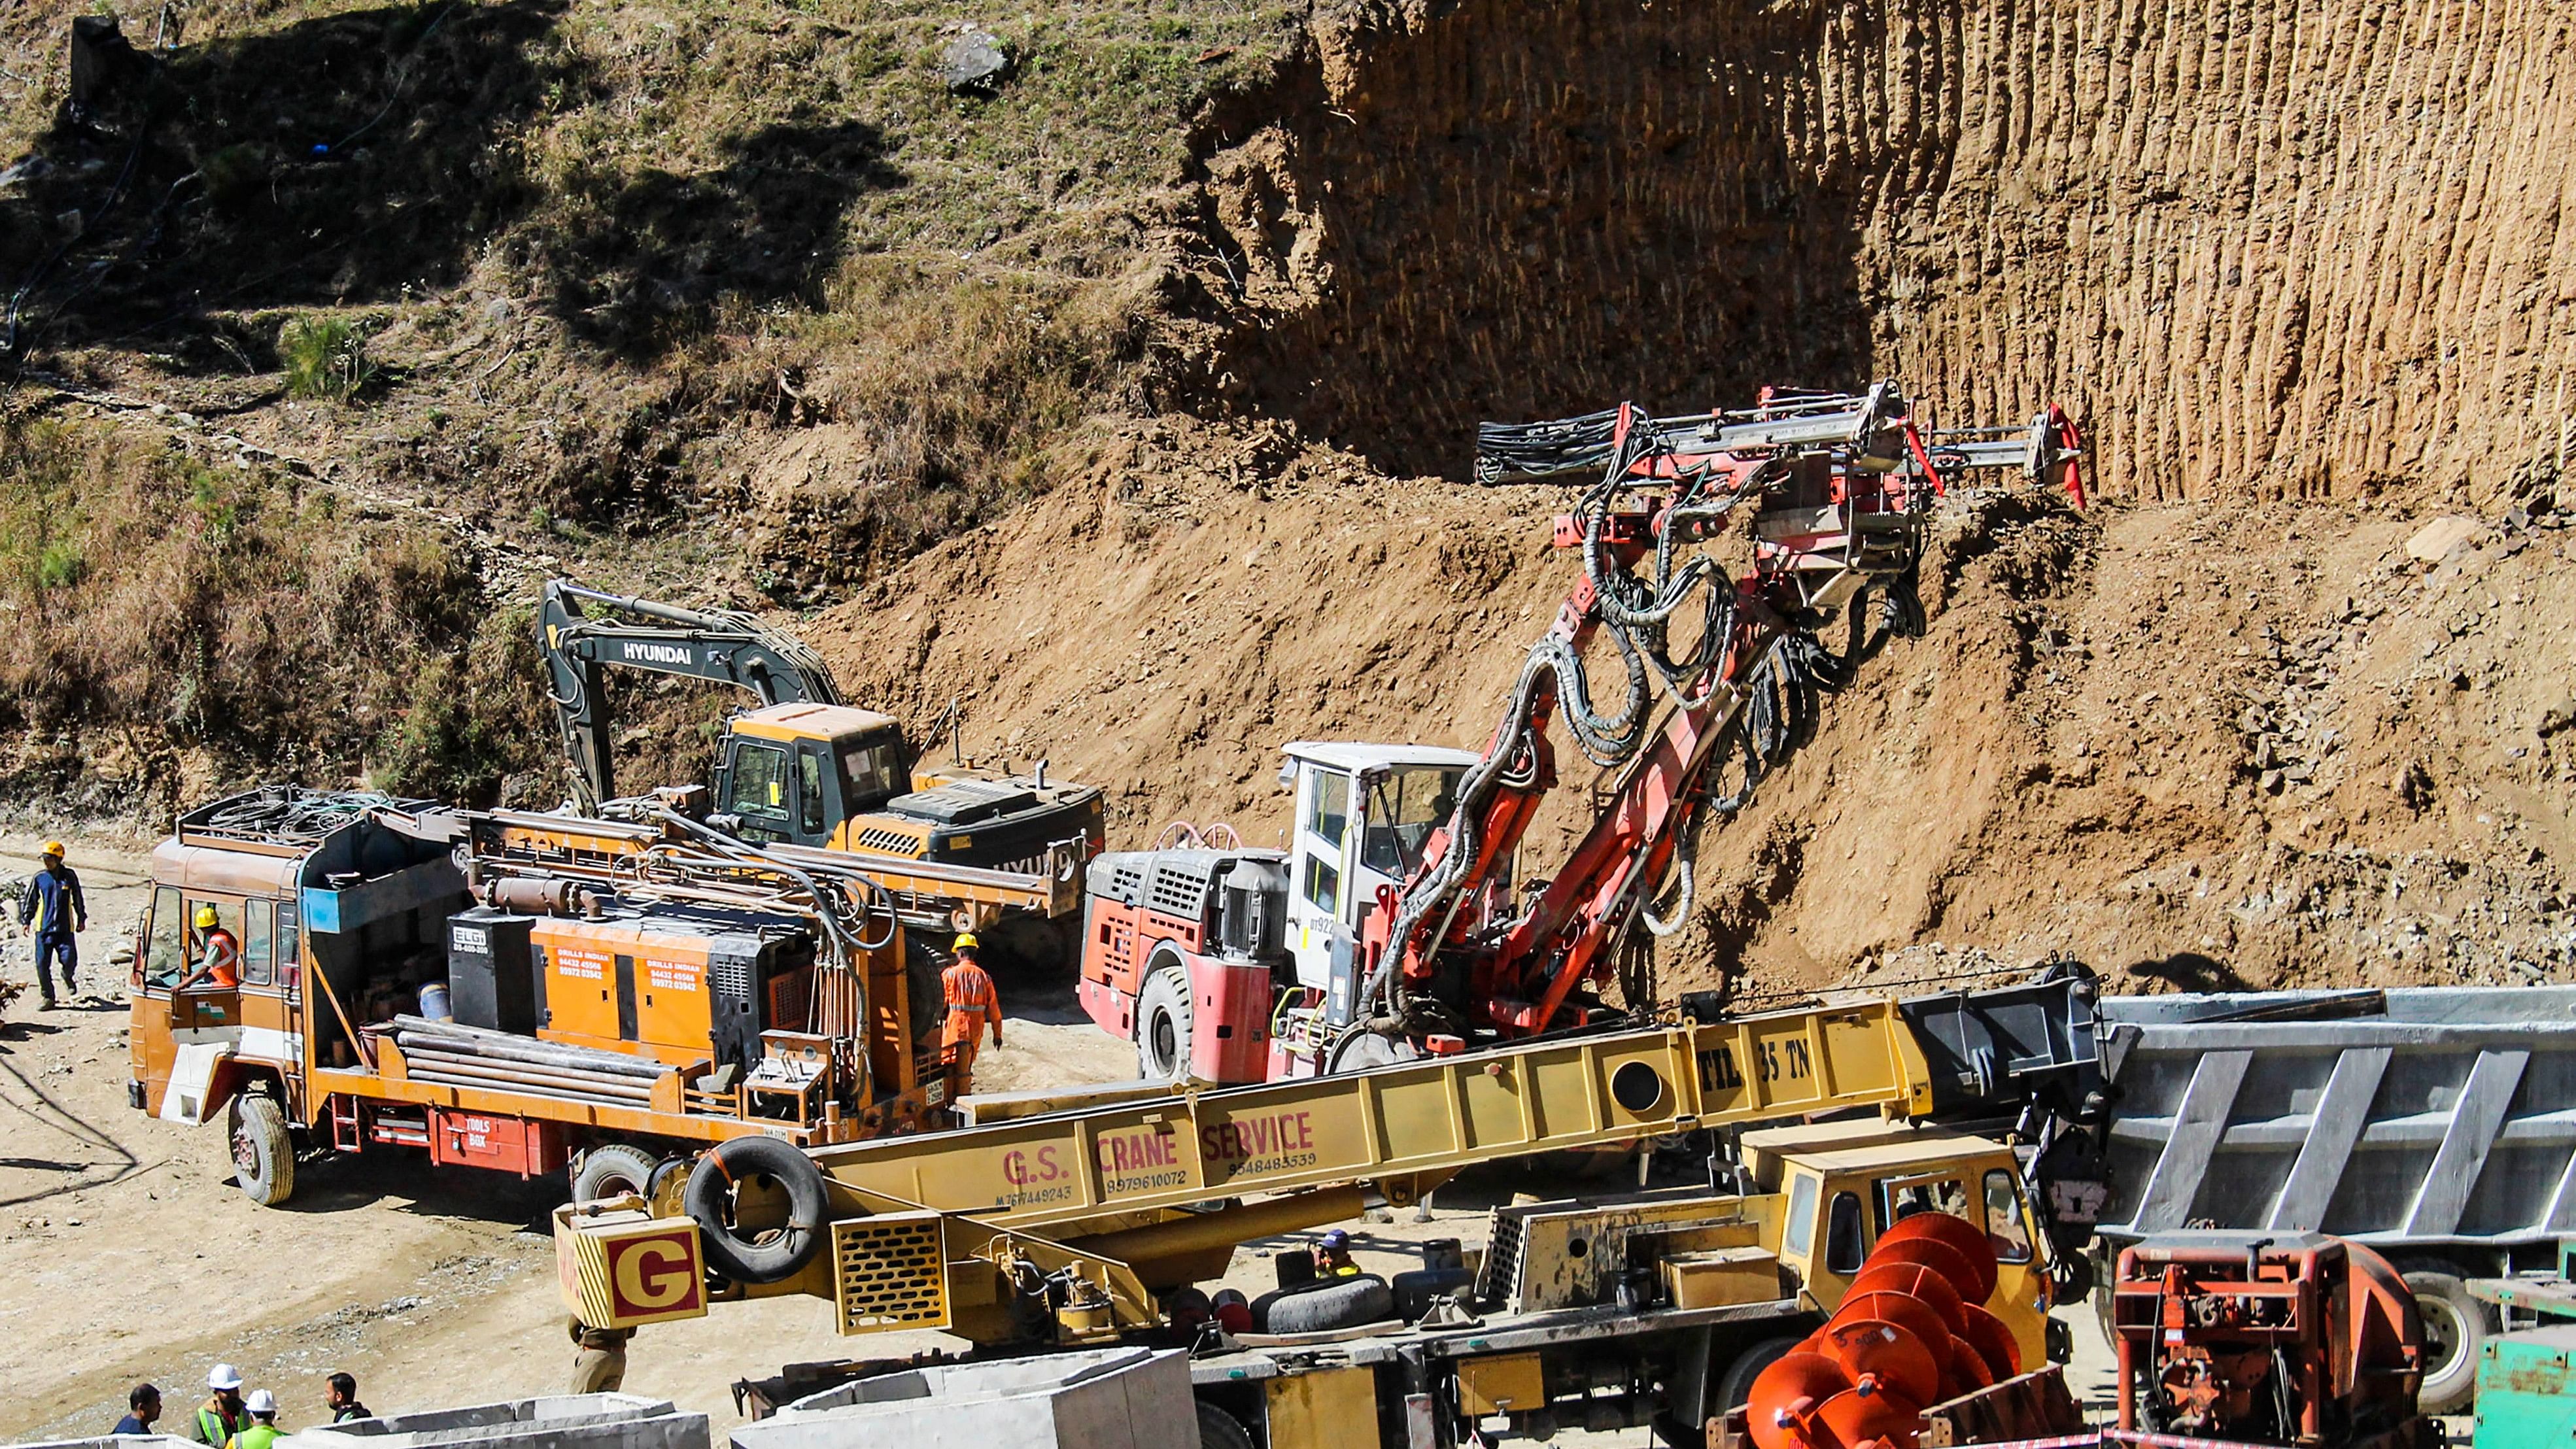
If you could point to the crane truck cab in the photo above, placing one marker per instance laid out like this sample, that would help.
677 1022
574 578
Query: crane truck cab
1235 964
1841 1185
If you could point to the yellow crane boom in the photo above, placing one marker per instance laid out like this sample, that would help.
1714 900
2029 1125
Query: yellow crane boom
960 1230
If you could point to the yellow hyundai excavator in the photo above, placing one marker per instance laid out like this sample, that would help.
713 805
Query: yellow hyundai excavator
803 768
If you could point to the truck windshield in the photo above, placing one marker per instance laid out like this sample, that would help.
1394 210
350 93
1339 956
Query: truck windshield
871 771
1404 806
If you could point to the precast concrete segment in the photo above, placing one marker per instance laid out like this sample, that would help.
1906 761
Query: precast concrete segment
553 1421
1118 1398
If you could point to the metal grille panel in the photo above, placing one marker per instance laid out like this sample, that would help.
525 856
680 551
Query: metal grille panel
1180 888
731 976
889 1272
1500 1280
880 840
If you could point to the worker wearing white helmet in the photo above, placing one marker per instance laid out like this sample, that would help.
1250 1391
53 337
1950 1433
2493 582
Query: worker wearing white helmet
971 1003
223 1414
263 1429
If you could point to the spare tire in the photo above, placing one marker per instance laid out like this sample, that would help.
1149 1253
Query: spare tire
1260 1307
1339 1303
773 1254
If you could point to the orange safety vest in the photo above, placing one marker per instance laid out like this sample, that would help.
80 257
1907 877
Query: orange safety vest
969 994
225 973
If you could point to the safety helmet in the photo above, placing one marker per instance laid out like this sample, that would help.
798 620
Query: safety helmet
965 941
225 1376
261 1401
54 848
206 922
1337 1239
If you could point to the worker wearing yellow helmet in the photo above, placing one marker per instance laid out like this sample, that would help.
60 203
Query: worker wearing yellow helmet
216 953
50 911
971 1003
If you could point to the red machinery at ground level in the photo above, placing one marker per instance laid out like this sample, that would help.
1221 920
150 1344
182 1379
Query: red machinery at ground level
2289 1338
2227 1340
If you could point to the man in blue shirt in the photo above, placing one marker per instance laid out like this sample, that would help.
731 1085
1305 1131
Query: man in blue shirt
54 907
144 1406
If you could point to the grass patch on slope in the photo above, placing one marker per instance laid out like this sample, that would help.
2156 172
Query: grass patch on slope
261 626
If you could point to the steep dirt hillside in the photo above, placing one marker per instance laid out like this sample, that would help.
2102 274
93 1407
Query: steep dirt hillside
2270 249
333 327
2209 748
2192 745
1190 600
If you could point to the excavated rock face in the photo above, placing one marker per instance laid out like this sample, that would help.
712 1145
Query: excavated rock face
2271 249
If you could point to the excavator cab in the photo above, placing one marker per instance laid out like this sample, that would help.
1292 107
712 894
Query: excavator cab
799 772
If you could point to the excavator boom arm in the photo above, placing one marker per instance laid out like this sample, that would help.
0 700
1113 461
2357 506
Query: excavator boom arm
583 633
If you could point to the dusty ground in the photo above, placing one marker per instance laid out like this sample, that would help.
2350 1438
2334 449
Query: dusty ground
126 1253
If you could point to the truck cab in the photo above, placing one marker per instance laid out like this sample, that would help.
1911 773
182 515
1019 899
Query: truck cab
1363 814
1842 1184
310 891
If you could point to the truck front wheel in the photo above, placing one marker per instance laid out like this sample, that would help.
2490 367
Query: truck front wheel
1734 1382
1163 1024
263 1155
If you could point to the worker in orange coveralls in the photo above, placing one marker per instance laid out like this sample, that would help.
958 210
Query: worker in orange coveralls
971 1003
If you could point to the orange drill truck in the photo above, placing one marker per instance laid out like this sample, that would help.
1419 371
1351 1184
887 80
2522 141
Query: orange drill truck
410 980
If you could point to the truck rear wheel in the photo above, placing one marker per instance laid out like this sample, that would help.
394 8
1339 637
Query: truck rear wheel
613 1171
1163 1024
263 1155
2456 1326
1221 1430
1735 1381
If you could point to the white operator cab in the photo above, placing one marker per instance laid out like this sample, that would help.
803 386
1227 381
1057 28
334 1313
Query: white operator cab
1363 815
